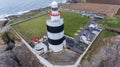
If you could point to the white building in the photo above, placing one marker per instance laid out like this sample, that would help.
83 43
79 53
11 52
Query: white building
55 29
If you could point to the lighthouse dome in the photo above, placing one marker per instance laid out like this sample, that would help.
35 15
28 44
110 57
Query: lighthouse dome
54 4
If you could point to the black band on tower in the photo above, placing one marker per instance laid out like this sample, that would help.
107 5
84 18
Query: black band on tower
56 42
55 29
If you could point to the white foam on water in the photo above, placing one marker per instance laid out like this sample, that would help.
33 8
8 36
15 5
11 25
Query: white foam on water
14 10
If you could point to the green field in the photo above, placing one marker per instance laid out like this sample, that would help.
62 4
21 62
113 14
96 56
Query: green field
112 22
26 15
109 34
82 0
36 28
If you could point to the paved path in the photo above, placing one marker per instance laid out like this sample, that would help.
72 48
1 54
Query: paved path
29 18
5 28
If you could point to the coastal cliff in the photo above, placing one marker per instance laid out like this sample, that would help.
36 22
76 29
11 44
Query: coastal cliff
7 58
20 56
107 56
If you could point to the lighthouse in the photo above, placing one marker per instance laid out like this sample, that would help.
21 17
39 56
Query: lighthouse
55 29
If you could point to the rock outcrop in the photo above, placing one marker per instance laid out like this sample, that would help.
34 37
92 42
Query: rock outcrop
108 56
7 58
25 56
19 56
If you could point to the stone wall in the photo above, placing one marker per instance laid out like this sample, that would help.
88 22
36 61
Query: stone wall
118 13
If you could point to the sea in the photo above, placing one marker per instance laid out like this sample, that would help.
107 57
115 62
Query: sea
16 7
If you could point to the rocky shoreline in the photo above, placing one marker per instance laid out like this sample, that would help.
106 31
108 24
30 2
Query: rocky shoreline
38 10
31 11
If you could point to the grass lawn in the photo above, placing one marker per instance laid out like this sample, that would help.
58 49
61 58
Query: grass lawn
113 22
36 28
26 15
82 1
109 34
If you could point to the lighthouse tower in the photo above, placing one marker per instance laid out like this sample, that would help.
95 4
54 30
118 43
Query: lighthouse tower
55 29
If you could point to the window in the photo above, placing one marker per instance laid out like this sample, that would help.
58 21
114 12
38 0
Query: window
54 9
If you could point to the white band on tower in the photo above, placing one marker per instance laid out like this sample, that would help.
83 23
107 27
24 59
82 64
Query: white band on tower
55 29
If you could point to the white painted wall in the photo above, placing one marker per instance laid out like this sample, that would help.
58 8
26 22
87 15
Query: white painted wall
55 36
55 18
55 23
56 48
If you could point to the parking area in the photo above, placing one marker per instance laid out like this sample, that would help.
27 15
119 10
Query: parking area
85 38
86 13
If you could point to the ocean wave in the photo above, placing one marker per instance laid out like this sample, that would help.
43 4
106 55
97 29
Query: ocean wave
17 13
64 1
24 11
